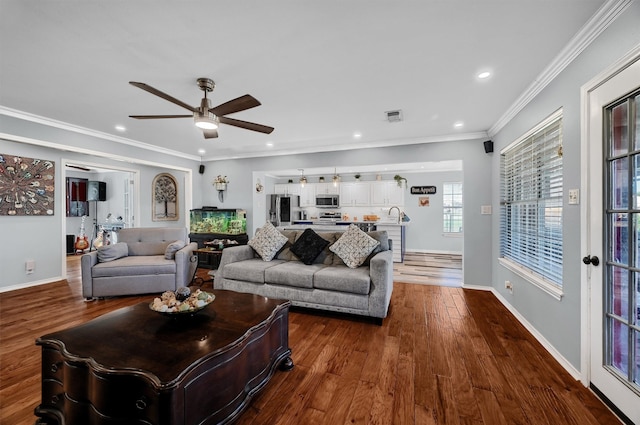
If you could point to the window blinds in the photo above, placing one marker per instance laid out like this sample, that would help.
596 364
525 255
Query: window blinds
531 205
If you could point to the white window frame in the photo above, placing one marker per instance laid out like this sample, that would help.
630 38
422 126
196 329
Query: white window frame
446 217
525 187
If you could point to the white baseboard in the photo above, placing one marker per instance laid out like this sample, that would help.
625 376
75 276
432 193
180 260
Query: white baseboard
29 284
431 251
575 373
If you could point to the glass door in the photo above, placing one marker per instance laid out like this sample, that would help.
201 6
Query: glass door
621 303
613 234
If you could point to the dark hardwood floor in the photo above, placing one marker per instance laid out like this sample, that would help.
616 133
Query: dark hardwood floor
443 356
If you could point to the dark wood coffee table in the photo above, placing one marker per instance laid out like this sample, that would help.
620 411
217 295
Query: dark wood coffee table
136 366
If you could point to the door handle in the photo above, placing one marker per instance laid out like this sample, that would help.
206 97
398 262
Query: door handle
591 260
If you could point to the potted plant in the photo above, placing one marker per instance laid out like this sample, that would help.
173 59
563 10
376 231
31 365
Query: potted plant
220 183
400 180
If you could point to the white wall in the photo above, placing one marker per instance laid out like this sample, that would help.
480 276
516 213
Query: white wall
425 233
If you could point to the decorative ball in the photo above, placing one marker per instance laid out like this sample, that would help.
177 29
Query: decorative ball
182 293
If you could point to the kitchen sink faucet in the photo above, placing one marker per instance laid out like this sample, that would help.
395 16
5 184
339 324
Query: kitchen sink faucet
399 213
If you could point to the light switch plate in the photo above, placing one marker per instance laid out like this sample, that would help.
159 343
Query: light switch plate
485 209
574 196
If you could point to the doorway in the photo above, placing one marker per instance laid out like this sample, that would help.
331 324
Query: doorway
106 213
612 233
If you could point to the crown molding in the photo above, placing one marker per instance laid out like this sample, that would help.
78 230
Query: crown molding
92 133
327 146
599 22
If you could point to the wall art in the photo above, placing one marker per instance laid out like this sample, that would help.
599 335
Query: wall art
27 186
165 198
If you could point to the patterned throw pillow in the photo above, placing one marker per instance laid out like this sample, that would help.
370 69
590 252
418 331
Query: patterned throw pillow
308 246
268 241
354 246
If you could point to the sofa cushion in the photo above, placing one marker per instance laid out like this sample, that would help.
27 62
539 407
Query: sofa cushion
148 248
326 257
354 246
343 279
285 252
292 273
382 237
172 248
248 270
267 241
135 266
308 246
108 253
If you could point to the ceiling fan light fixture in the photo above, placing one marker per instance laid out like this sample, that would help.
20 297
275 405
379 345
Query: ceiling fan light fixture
205 122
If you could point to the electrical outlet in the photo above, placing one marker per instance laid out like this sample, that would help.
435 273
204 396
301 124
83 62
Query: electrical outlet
30 266
509 286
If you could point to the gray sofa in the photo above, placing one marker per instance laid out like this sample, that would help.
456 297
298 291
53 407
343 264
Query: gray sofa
138 263
326 284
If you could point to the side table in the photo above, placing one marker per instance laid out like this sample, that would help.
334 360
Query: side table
207 258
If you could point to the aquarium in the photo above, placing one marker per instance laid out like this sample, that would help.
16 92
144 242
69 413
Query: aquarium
223 221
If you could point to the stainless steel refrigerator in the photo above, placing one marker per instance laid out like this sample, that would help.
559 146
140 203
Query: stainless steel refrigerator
283 209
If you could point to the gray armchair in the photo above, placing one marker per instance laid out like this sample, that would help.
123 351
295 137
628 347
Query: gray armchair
141 262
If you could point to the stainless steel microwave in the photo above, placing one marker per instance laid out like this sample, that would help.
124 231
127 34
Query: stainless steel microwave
327 201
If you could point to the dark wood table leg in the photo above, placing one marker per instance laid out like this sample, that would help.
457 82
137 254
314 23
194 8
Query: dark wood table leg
286 364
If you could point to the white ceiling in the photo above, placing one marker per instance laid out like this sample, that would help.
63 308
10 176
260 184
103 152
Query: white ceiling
323 70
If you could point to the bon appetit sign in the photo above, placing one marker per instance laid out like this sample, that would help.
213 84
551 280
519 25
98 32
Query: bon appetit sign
423 190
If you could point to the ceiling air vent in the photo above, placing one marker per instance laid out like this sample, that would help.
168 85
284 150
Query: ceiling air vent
394 116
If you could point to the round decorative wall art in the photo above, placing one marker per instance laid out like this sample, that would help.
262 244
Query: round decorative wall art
27 186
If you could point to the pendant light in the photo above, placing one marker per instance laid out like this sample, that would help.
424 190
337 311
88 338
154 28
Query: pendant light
336 178
303 179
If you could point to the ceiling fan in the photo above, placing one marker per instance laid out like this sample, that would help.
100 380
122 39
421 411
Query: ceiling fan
204 116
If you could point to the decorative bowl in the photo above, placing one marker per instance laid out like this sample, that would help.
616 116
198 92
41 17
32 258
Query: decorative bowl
202 300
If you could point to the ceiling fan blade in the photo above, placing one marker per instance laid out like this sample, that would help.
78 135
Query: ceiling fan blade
238 104
210 134
152 117
246 124
163 95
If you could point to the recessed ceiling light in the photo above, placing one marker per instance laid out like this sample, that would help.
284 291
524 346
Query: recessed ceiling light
201 151
121 128
458 124
357 135
270 144
483 75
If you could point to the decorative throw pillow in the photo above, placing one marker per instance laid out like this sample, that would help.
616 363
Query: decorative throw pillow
172 248
108 253
354 246
308 246
268 241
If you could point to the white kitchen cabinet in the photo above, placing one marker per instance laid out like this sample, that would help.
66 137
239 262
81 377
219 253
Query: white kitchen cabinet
286 189
386 194
354 194
280 189
327 189
308 195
